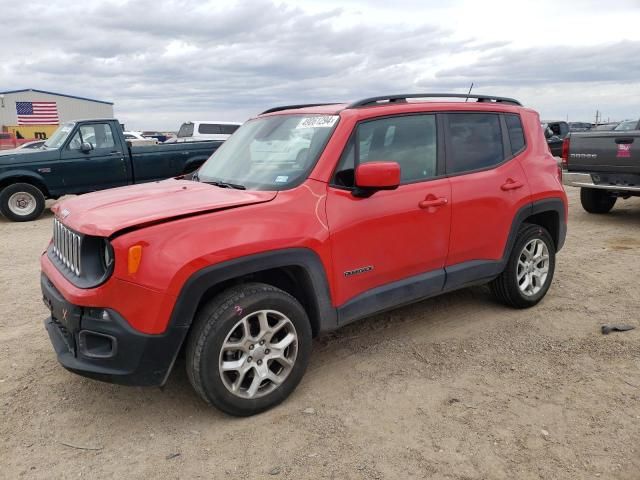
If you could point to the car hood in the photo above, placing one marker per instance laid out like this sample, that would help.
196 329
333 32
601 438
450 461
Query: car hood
109 211
24 155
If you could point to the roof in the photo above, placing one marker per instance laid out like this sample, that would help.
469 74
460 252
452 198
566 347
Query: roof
389 100
214 122
57 94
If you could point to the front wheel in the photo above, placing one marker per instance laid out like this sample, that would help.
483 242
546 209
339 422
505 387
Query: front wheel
21 202
596 201
529 270
248 349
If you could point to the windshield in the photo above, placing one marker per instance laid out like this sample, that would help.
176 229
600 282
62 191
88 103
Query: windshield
270 153
59 136
627 125
186 130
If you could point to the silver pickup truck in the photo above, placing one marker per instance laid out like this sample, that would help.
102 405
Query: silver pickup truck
605 165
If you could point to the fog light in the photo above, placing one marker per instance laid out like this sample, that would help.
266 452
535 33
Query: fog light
98 314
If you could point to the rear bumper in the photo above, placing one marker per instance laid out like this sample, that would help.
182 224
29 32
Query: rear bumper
585 180
107 349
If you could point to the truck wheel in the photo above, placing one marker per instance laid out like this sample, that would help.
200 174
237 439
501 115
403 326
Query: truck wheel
21 202
596 201
529 270
248 349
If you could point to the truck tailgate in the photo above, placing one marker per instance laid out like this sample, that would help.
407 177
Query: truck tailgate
613 152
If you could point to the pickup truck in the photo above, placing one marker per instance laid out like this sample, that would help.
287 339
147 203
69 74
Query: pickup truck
555 132
86 156
605 165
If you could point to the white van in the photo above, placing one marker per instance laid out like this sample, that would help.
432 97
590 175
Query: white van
206 130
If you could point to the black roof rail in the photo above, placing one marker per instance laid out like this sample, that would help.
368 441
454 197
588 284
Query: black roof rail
293 107
403 98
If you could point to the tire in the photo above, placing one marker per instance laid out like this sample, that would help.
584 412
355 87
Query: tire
597 201
234 318
516 287
21 202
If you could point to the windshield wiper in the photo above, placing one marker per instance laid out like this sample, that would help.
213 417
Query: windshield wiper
237 186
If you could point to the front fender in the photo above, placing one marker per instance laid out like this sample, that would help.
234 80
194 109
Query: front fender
24 176
199 282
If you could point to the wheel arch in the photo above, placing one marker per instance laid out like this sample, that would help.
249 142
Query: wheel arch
24 177
298 271
548 213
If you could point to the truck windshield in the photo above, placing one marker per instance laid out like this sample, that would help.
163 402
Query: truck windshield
270 153
186 130
59 136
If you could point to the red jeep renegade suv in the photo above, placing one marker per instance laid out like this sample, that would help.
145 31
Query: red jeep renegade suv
308 218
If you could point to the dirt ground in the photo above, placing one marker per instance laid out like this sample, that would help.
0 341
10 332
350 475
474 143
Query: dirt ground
455 387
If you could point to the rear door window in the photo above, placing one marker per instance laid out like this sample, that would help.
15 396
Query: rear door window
209 129
474 142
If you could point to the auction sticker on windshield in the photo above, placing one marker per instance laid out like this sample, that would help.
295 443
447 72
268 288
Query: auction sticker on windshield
318 121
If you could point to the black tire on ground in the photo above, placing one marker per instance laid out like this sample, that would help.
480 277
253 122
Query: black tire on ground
21 202
597 201
217 320
506 287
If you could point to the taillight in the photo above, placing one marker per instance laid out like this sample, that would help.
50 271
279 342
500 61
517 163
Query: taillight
565 152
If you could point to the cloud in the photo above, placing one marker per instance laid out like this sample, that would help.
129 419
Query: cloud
166 62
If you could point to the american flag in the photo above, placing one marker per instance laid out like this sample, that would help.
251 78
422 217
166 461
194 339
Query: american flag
30 113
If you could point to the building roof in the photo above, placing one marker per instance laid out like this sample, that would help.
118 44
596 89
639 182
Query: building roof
54 93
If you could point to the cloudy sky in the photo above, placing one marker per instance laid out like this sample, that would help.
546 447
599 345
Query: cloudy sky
164 62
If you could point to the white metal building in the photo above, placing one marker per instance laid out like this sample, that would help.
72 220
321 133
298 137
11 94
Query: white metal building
32 111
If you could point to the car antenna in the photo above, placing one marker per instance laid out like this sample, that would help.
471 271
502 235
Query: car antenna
470 88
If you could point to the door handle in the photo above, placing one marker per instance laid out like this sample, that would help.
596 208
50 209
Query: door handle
624 141
433 201
115 152
511 184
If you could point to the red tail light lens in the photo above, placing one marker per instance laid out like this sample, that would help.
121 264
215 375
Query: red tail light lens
565 152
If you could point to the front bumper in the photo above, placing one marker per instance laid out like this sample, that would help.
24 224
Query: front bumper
585 180
107 349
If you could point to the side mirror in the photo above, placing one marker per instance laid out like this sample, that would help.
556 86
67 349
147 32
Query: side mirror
374 176
86 147
548 133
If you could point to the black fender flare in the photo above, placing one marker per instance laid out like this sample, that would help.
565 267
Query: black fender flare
554 204
198 283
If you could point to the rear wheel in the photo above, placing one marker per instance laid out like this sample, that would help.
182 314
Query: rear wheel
529 270
597 201
248 349
21 202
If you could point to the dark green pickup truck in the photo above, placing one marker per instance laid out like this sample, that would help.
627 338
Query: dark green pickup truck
85 156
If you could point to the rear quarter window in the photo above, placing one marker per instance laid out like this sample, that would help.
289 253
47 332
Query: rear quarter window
516 133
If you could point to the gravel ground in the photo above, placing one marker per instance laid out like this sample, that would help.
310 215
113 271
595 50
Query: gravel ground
455 387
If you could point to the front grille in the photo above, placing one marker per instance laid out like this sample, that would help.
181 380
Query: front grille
66 246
